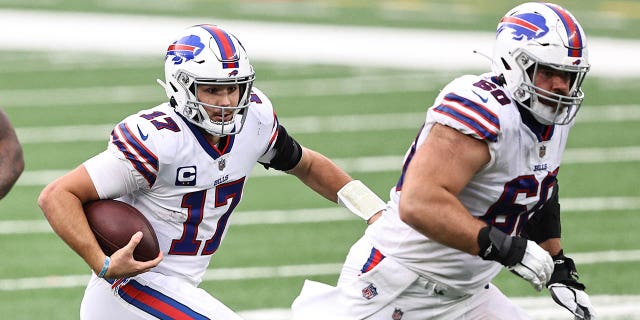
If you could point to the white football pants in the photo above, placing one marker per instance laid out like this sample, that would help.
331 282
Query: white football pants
150 296
389 291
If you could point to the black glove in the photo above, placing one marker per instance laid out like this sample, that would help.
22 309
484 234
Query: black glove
567 291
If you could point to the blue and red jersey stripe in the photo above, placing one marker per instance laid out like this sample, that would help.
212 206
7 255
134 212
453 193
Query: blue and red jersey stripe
275 129
374 258
136 152
459 109
407 160
153 301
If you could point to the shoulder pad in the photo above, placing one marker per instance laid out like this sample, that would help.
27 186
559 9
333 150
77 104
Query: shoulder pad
262 108
470 105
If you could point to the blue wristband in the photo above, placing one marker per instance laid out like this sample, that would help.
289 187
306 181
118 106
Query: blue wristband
105 267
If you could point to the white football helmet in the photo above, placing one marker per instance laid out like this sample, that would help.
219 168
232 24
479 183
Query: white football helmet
207 54
538 34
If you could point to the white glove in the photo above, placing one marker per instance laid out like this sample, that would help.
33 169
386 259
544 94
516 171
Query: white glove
536 266
574 300
521 256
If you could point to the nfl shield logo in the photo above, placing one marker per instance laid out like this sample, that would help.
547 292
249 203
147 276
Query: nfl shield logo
222 163
542 152
397 314
369 292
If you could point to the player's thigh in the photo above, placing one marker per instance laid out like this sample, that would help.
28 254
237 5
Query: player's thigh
100 303
150 296
416 304
491 303
356 258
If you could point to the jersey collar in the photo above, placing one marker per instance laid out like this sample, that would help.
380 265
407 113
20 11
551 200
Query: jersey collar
541 131
224 146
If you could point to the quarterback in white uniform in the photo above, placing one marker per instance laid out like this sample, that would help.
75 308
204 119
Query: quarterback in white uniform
478 190
184 165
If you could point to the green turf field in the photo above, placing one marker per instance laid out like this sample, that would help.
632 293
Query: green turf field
607 17
48 96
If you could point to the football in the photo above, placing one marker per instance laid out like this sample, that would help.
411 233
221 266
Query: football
113 223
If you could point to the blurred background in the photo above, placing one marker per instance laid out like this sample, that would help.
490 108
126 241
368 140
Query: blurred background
351 79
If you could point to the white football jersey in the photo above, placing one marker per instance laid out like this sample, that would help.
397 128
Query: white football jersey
518 180
162 164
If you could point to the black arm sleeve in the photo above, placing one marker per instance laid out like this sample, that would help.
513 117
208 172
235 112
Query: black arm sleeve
288 152
545 224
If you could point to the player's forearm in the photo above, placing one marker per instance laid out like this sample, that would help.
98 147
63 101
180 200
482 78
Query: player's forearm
553 246
441 217
63 210
320 174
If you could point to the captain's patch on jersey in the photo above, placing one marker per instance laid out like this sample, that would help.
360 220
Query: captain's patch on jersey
186 176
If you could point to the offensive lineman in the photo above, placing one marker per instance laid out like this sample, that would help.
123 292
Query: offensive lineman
184 165
478 191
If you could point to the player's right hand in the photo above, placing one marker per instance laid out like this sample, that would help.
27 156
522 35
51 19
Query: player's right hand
124 265
536 266
521 256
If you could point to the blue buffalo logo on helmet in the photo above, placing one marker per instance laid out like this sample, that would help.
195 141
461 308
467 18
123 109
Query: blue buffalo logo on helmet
526 26
184 49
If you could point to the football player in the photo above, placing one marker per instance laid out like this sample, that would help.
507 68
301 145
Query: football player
184 164
11 159
478 190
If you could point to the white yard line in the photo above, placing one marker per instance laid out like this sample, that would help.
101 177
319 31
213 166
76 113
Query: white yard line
383 164
307 44
87 97
285 271
608 307
315 124
286 43
264 217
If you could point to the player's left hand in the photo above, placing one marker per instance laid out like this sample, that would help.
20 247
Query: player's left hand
567 291
575 300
